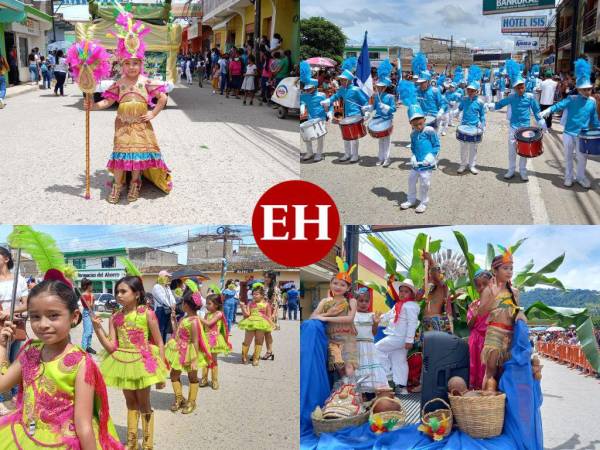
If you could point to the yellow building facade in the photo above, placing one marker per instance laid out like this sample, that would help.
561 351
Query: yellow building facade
232 22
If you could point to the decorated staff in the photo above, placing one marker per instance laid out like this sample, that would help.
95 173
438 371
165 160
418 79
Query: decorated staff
89 64
581 116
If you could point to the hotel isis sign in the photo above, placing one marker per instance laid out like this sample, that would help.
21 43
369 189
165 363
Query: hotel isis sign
504 6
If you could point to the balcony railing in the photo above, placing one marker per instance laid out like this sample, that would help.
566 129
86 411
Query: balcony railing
211 5
564 38
589 21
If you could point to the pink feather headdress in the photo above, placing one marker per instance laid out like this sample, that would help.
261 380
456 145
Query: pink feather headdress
129 34
91 54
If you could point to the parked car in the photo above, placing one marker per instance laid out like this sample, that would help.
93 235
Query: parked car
105 302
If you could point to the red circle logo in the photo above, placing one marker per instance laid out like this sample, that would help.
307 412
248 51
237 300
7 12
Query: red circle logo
295 223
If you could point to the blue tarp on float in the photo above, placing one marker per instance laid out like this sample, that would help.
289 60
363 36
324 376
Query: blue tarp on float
522 424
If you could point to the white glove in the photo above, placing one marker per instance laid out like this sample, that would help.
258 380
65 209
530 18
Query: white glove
490 106
385 108
481 126
429 159
545 113
330 115
413 162
365 109
325 103
366 115
302 109
440 112
543 126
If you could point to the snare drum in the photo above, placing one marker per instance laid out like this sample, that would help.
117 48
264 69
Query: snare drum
431 121
380 127
529 142
589 142
312 130
469 133
353 128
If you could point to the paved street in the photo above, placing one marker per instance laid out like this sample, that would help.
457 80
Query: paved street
570 408
255 407
222 155
365 193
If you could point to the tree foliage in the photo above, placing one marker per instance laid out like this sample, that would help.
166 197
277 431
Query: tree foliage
320 37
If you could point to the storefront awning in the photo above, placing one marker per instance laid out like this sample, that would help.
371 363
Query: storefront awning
11 11
36 13
223 25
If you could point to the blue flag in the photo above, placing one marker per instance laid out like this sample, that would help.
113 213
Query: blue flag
363 70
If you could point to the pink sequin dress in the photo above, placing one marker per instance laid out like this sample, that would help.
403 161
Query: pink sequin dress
476 340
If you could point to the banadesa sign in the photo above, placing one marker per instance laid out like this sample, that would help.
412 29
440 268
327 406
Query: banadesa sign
523 24
504 6
527 43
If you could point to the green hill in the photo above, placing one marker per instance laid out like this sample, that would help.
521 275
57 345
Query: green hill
574 298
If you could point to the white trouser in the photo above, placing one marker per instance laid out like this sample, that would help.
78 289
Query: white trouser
571 146
453 114
425 177
445 122
384 148
188 75
487 98
392 348
468 150
351 148
500 94
512 153
309 146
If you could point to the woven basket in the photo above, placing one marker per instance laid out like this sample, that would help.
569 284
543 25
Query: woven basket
444 416
396 414
479 417
332 425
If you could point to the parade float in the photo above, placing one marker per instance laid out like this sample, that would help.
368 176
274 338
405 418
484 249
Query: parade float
463 418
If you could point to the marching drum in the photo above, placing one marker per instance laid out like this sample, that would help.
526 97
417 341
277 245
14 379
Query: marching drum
353 128
312 130
430 121
529 142
469 133
589 142
380 127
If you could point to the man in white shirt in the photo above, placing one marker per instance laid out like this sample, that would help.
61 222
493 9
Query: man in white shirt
548 89
402 320
164 302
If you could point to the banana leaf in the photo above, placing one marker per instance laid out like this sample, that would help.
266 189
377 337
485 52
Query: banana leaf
375 286
583 326
472 266
391 263
130 268
523 274
489 256
528 279
513 248
416 272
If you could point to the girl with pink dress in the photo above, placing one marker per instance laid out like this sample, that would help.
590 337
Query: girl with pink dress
478 326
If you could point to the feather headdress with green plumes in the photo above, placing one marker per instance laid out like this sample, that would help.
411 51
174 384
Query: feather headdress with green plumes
216 289
40 246
344 272
191 285
130 267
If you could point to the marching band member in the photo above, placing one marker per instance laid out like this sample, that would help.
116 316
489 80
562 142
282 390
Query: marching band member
355 103
473 113
581 113
451 109
385 107
486 86
425 145
310 104
522 104
499 83
430 98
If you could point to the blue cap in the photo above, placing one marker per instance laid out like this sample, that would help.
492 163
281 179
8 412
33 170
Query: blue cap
384 81
415 112
473 85
425 75
312 83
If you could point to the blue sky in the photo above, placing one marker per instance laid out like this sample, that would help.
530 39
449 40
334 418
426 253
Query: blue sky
581 245
400 22
95 237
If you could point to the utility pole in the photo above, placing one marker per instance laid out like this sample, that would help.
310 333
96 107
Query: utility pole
226 232
53 25
257 28
451 43
351 244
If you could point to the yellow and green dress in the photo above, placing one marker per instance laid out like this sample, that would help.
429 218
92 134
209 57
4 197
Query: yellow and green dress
135 145
45 414
180 351
217 335
135 363
259 318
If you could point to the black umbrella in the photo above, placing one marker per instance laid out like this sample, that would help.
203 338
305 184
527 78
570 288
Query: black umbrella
188 273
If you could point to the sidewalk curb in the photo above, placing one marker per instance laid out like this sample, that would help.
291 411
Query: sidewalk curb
11 92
